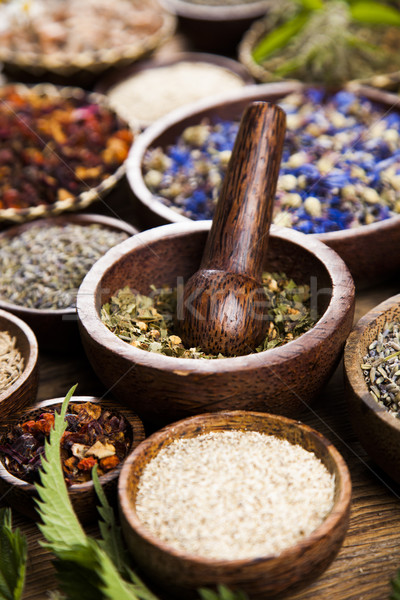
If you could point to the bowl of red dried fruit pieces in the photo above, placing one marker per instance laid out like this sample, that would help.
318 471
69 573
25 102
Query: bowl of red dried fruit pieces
62 149
98 433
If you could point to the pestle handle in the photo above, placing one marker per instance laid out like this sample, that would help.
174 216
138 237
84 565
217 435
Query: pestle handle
238 239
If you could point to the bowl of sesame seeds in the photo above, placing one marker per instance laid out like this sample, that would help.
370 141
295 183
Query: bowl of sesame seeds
372 370
339 178
18 364
254 501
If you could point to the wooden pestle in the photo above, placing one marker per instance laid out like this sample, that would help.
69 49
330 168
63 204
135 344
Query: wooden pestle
224 303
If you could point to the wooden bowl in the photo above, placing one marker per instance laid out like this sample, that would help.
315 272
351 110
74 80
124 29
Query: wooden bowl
168 388
216 28
353 245
57 329
23 390
265 576
126 107
21 494
377 429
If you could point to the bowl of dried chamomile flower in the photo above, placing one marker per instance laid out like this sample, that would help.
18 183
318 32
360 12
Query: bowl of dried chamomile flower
372 370
18 364
254 501
98 433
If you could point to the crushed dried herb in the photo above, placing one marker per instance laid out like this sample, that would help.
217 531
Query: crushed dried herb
94 436
11 361
147 322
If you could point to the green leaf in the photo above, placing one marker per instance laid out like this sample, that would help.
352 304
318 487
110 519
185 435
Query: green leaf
13 554
395 595
279 37
60 527
375 13
223 593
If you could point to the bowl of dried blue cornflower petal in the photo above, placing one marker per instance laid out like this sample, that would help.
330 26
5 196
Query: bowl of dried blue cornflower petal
339 180
372 370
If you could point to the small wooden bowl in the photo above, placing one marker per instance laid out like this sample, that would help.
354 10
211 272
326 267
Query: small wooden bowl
281 380
21 494
353 245
216 28
264 576
377 430
106 85
57 329
23 390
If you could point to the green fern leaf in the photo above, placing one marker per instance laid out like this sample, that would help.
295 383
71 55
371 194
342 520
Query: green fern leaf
279 37
375 13
395 594
13 554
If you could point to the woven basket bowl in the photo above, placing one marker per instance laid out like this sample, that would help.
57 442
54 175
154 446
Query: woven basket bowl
23 391
162 388
377 429
21 494
74 203
353 245
265 576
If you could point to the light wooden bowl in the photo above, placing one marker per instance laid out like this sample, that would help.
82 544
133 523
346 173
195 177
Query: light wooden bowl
163 388
377 429
353 245
216 28
265 576
23 391
21 494
57 329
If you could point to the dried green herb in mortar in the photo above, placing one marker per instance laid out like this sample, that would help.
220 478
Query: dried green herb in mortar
147 322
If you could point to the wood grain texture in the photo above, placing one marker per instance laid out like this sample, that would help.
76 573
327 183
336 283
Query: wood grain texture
353 245
377 429
57 329
264 577
167 388
224 302
23 391
20 494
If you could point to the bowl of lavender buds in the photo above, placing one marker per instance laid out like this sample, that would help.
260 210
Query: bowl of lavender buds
372 369
339 180
18 364
43 264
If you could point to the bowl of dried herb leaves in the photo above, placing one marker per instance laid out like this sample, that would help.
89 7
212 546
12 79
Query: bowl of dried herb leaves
372 370
43 264
129 300
99 434
18 364
256 501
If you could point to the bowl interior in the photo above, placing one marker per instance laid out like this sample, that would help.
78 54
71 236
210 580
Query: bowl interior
24 343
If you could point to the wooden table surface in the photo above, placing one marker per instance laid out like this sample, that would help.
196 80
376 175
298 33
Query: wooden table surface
370 555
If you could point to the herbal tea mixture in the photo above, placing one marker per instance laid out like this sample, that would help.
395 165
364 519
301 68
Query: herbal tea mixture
53 148
11 361
43 267
231 495
147 322
94 436
340 167
381 368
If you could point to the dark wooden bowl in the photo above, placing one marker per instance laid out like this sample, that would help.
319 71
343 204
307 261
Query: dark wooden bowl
57 329
107 84
376 428
163 389
23 391
353 245
216 28
262 577
20 494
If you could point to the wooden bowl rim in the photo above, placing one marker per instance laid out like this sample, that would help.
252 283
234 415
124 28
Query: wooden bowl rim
251 92
30 365
355 376
207 12
105 85
78 219
340 507
88 315
131 417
